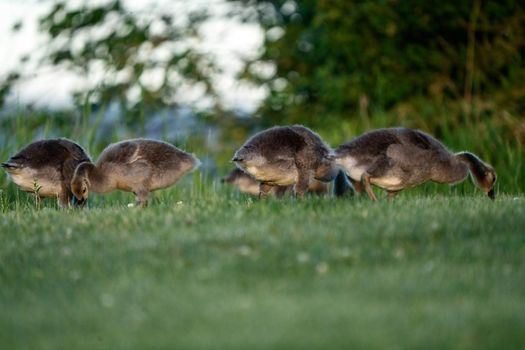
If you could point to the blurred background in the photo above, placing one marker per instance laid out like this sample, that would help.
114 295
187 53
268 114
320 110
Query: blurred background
205 75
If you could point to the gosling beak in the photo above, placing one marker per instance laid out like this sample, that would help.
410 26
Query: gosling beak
331 156
8 165
79 203
491 194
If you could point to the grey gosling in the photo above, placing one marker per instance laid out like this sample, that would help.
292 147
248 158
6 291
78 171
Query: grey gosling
284 156
399 158
46 168
243 181
139 166
247 184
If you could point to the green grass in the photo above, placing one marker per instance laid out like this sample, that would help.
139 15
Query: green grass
225 271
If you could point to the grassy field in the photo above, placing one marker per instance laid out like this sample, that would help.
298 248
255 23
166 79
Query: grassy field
204 268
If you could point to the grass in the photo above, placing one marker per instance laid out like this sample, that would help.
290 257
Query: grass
223 271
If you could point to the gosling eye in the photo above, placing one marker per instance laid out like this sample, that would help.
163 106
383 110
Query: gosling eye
83 191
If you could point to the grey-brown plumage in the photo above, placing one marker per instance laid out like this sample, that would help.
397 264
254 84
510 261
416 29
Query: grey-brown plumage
284 156
139 166
243 181
247 184
399 158
46 168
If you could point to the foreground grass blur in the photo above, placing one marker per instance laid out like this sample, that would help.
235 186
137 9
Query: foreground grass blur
211 269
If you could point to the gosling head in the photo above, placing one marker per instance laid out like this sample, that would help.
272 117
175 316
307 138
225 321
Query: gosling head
234 176
80 183
327 169
245 154
484 177
487 182
244 182
483 174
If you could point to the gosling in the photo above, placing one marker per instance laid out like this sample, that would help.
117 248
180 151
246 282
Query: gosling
398 158
284 156
46 168
139 166
247 184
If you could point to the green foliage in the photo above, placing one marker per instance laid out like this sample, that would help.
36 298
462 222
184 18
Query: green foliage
217 271
338 59
119 49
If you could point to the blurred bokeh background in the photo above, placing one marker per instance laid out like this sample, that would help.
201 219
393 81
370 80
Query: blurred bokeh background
205 75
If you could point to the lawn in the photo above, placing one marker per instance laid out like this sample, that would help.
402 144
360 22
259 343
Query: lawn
212 269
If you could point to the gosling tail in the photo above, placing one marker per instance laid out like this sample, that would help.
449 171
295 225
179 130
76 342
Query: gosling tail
342 186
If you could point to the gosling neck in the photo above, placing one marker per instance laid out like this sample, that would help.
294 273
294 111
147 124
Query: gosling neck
98 181
475 165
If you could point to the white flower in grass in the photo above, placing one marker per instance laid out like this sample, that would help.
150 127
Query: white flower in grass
244 250
399 253
345 252
322 268
107 300
69 233
428 267
74 275
303 257
245 303
131 205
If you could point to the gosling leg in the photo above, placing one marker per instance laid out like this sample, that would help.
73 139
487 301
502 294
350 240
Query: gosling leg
63 197
302 183
365 180
264 190
358 186
391 195
305 173
142 198
280 191
38 201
